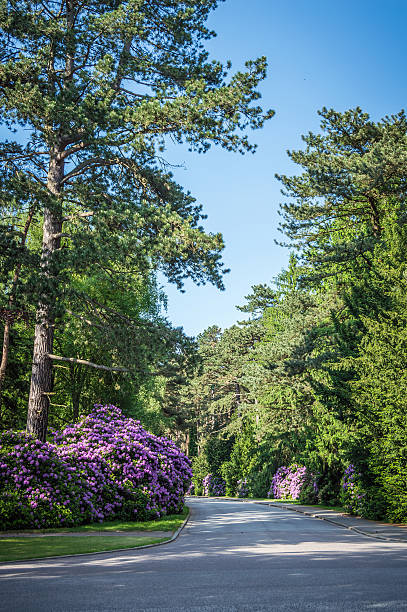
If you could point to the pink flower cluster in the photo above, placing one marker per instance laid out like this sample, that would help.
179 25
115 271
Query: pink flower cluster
213 486
353 494
288 482
103 468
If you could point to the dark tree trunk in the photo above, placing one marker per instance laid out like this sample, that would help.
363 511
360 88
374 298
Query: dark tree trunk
4 356
187 440
41 378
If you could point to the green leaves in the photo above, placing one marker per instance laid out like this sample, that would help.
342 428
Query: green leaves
99 88
350 173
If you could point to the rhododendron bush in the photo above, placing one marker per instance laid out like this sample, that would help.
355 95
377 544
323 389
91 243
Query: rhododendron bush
103 468
213 485
289 482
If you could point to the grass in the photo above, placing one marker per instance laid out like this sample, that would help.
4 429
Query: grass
18 549
171 522
321 506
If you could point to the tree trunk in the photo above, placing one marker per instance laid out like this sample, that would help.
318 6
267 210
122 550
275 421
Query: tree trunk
4 356
41 377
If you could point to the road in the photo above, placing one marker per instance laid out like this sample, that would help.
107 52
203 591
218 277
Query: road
231 556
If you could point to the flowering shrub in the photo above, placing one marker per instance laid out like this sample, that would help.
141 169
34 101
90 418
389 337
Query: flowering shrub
191 490
105 467
242 488
288 482
352 492
213 485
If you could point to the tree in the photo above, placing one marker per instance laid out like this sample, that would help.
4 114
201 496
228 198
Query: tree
102 87
352 173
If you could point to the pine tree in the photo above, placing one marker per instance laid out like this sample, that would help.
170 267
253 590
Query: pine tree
101 87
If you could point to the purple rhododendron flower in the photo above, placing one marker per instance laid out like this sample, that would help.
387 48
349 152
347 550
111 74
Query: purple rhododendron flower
288 481
242 488
213 486
105 467
353 493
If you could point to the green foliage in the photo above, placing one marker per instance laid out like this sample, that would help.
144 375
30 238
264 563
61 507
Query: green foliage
200 468
318 369
99 90
242 458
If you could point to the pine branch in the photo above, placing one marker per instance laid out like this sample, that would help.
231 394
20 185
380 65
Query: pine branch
88 363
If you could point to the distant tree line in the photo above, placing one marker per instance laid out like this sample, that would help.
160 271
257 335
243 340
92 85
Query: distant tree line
317 373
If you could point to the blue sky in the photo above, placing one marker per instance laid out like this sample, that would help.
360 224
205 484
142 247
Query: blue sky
338 54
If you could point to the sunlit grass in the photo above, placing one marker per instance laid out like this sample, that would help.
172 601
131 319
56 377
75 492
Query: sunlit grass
18 549
316 506
171 522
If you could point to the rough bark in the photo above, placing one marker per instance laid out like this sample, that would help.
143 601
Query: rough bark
41 377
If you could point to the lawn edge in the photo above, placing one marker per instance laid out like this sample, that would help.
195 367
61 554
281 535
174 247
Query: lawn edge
174 536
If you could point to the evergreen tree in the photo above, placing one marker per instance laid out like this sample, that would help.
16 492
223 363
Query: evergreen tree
100 87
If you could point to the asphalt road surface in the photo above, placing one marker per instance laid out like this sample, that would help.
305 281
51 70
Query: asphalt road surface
230 557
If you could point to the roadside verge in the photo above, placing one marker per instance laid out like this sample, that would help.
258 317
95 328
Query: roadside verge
10 553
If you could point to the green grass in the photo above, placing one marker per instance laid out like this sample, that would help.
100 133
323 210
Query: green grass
171 522
321 506
18 549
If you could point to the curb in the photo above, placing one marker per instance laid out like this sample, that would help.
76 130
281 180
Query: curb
174 536
337 523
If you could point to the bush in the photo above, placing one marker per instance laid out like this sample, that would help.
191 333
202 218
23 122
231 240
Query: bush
353 493
105 467
259 478
308 494
200 467
213 486
288 482
191 490
242 489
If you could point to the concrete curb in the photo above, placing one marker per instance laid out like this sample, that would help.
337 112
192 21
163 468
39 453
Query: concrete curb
337 522
174 536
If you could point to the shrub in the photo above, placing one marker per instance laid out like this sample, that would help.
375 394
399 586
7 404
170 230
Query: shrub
242 489
213 486
288 482
200 467
329 487
353 494
191 490
105 467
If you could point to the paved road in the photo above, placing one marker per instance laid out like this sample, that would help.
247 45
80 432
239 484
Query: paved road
231 557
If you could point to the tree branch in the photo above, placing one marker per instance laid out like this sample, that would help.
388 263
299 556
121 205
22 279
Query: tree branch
79 215
88 363
93 161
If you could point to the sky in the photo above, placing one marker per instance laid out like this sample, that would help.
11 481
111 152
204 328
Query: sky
339 54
